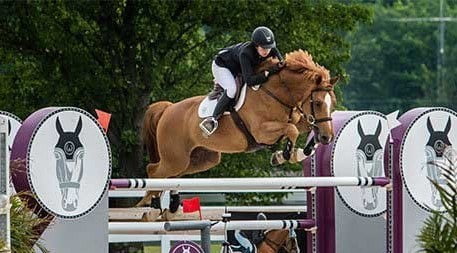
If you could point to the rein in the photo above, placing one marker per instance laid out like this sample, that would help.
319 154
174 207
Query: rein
310 118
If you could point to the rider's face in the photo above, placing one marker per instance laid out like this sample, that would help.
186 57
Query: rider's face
263 51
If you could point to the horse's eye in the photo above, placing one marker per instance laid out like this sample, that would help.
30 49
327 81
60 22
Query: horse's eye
319 103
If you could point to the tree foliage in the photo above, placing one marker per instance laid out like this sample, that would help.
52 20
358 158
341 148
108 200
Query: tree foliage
119 56
394 62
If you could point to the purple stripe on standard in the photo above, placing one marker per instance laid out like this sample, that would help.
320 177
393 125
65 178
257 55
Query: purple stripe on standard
380 181
20 148
306 224
120 183
19 162
325 197
397 184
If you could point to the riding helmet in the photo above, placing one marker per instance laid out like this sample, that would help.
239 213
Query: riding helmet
264 37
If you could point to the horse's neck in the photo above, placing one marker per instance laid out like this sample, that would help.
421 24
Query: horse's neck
291 94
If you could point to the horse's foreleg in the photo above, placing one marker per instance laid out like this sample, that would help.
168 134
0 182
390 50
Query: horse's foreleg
147 200
269 131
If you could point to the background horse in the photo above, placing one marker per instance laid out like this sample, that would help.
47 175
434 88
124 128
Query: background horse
278 240
301 90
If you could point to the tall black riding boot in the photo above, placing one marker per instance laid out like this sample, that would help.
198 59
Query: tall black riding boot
210 124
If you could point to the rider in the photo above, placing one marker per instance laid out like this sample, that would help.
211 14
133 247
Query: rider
241 58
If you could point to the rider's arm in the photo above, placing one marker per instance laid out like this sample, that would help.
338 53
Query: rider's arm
247 70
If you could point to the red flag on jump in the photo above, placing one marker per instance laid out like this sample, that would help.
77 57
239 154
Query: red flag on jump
103 119
191 205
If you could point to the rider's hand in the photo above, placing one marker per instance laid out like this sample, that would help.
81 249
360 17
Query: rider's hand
273 70
281 64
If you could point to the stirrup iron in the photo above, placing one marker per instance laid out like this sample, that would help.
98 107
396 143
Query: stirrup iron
205 130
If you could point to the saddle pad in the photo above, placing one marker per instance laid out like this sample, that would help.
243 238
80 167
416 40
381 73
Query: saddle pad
206 107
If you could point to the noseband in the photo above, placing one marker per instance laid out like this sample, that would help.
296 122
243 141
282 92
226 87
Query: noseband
311 118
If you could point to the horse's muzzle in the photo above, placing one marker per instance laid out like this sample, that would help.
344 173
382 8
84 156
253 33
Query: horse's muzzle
324 139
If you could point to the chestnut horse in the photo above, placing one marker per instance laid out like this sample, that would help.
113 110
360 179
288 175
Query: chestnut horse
297 99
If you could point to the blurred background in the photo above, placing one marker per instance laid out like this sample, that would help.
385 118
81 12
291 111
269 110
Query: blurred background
119 56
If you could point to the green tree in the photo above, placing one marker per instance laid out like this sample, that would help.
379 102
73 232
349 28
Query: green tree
394 62
119 56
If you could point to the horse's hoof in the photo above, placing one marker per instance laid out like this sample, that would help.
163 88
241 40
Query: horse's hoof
286 155
150 216
168 216
277 158
174 203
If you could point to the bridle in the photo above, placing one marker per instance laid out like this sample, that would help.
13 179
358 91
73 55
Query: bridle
310 118
276 246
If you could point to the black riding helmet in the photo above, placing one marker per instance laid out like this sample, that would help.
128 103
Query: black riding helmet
264 37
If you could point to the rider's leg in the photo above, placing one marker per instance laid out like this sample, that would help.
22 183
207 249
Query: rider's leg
224 77
210 124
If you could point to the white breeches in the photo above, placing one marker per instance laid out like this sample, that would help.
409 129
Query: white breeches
224 78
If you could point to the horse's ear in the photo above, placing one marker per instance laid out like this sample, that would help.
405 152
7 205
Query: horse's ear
334 80
59 126
360 129
378 129
448 126
429 126
79 126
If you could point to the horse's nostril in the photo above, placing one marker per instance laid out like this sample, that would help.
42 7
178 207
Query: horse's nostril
324 138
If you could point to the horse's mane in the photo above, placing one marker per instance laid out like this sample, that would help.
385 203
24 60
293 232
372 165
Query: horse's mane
300 61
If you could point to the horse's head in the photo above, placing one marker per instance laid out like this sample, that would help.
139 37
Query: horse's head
317 109
435 147
312 90
69 153
438 140
369 155
369 144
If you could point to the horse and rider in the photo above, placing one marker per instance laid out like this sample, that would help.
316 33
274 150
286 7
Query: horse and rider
283 97
279 98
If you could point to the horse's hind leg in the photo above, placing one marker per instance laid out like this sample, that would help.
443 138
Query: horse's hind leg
202 159
147 199
165 168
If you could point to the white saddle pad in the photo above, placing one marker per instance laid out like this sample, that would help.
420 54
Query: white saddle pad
206 107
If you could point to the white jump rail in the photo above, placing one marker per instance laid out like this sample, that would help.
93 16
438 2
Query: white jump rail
222 184
206 227
126 228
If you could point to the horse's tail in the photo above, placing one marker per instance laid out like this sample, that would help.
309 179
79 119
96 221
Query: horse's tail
150 121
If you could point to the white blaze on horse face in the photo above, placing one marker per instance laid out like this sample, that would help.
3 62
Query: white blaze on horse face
328 102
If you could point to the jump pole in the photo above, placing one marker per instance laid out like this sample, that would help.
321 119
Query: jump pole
206 226
222 184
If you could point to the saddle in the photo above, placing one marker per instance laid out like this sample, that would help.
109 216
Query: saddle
218 90
207 106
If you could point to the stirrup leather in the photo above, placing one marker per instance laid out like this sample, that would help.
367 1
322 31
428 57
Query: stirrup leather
206 124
